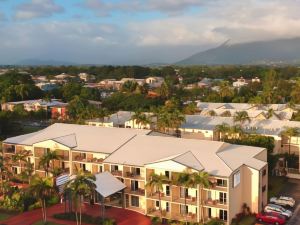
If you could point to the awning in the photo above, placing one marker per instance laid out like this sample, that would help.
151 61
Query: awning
107 184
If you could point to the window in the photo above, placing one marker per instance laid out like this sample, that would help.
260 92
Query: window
184 192
137 171
100 169
167 207
167 174
222 214
236 179
209 212
184 209
223 197
221 183
264 188
134 185
114 168
157 204
264 172
209 194
167 190
135 201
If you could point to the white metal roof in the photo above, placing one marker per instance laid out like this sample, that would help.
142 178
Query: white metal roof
80 137
107 184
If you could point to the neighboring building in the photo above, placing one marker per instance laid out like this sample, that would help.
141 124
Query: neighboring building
202 127
117 119
33 105
255 79
46 86
86 77
238 173
154 82
205 82
240 83
59 112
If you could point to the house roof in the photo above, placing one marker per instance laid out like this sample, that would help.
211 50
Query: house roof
197 154
80 137
53 102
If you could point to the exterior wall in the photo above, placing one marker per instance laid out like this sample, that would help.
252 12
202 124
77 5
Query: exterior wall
100 124
133 124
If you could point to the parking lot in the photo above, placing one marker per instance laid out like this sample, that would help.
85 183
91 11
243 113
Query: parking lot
292 189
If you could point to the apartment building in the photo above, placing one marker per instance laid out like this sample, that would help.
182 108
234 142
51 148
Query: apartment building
238 174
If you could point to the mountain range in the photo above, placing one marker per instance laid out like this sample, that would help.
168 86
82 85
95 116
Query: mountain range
274 52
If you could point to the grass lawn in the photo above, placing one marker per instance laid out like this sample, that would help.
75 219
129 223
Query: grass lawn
48 223
4 216
276 185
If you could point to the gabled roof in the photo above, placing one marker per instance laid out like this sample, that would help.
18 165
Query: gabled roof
80 137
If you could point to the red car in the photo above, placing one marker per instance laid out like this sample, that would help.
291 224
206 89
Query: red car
271 217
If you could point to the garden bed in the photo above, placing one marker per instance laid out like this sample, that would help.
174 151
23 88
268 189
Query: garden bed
85 219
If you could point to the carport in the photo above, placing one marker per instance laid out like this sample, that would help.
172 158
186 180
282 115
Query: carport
107 185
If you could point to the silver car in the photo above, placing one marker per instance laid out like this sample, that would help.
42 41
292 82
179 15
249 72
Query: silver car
283 201
278 209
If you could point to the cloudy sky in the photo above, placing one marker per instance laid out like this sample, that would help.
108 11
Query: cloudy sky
136 31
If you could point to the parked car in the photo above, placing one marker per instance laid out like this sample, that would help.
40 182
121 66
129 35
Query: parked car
283 201
271 217
278 209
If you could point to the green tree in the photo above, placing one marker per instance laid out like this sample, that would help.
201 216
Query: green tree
156 183
82 185
20 158
129 86
47 159
226 91
140 118
41 188
222 130
201 179
290 132
241 117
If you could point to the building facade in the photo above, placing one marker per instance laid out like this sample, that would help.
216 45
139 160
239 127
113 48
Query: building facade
238 174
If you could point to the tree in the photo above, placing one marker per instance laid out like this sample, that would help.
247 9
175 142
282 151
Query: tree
129 86
226 113
201 179
82 185
140 119
21 157
222 129
290 132
46 160
190 109
236 131
241 117
41 188
270 113
186 180
156 183
225 90
167 119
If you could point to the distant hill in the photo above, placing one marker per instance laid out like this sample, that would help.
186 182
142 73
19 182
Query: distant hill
39 62
283 51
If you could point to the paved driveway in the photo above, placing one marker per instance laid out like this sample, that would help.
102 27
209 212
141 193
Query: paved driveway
292 189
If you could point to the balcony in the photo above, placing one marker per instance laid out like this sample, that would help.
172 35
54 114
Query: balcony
156 213
215 203
84 158
190 217
9 149
133 175
155 195
138 191
117 173
189 200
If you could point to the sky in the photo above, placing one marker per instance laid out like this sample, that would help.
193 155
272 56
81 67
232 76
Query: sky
136 31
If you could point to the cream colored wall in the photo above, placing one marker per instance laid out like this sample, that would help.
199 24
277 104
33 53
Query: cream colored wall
161 167
50 144
100 124
133 124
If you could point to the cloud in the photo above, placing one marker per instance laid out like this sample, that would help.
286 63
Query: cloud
37 9
170 7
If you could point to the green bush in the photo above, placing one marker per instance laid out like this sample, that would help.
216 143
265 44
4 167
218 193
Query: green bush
36 205
85 219
215 222
53 200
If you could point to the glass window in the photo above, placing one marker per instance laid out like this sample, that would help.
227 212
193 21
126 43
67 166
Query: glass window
135 201
223 197
167 207
221 182
222 214
167 174
157 203
167 190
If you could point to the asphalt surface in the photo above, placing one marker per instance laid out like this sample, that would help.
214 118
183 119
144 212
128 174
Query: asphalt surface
292 189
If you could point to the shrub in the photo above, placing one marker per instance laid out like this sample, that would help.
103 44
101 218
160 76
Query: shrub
215 222
85 219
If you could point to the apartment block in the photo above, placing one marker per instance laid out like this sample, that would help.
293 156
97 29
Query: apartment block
238 174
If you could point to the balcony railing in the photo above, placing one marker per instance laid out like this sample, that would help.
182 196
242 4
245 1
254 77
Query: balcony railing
155 195
189 200
216 203
79 158
138 191
118 173
133 175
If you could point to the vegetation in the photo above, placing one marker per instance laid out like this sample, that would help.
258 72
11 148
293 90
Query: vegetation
87 219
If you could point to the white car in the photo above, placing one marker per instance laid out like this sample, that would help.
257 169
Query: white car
278 209
283 201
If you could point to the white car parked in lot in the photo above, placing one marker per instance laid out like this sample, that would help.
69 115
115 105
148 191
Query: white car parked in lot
283 201
278 209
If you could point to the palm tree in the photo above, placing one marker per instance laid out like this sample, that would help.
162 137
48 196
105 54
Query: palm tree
83 185
140 119
225 90
156 183
21 157
185 179
236 131
226 113
290 132
46 160
222 129
270 113
201 179
41 188
241 117
212 113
